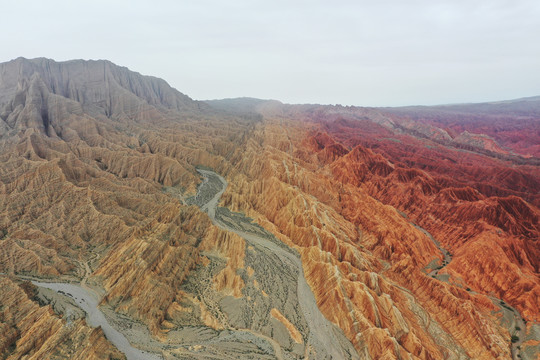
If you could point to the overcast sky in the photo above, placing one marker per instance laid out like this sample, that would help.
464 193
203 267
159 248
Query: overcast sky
371 53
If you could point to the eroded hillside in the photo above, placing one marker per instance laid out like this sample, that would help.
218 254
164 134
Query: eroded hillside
403 254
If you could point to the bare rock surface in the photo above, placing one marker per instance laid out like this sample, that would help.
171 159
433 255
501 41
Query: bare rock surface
343 232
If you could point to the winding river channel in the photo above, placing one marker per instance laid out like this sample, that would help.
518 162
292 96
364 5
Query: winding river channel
88 301
324 337
324 341
516 321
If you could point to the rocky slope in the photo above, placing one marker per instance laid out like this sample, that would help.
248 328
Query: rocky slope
412 244
96 162
307 176
370 258
31 331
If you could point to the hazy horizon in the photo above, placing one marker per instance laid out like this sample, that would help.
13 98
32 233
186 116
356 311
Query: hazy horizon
351 53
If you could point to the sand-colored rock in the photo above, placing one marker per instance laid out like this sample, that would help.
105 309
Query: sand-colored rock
30 331
101 177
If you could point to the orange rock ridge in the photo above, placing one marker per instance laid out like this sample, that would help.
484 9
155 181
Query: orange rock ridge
321 204
30 331
108 184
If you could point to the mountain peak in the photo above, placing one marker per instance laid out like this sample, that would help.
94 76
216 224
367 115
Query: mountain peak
92 83
32 91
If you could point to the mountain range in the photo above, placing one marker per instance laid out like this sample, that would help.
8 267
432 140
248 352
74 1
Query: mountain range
248 228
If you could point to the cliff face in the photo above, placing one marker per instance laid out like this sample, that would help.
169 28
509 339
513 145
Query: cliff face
98 86
408 243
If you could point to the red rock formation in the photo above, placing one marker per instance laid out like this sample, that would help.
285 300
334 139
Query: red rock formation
343 255
103 177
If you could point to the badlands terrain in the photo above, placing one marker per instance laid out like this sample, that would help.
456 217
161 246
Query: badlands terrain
138 223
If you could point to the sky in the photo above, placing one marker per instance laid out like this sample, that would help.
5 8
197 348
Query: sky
365 53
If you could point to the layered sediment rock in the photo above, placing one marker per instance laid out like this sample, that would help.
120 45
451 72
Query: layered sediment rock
99 171
296 185
31 331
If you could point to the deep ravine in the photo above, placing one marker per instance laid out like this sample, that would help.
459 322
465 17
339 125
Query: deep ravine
516 328
325 340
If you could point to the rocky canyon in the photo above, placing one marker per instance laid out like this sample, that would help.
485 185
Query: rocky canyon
252 229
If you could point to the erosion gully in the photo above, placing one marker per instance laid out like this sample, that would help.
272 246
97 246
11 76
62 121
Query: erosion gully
517 328
324 339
